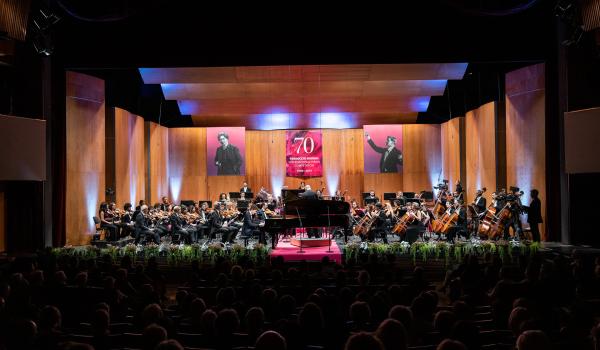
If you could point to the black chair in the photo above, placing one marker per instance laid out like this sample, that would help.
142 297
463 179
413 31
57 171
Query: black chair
99 229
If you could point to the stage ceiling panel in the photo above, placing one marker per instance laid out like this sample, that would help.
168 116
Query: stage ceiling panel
355 94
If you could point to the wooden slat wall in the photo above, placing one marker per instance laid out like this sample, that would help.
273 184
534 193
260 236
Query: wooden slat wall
480 151
159 161
2 222
265 163
525 132
187 164
85 144
422 156
129 158
450 140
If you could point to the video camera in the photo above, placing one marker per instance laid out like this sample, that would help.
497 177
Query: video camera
442 185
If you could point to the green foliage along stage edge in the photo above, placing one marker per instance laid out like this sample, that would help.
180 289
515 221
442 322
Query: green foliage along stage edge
258 253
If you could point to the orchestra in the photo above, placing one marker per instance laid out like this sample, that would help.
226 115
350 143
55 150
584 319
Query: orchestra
447 217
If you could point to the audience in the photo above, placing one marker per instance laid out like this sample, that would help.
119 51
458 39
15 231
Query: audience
76 303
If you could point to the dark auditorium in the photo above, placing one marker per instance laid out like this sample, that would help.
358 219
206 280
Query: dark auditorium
413 175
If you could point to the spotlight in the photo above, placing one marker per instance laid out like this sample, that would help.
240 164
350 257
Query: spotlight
43 42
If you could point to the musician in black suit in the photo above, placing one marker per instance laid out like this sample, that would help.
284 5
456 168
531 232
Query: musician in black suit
459 192
142 226
245 188
227 157
220 225
127 221
480 201
372 198
181 227
534 215
400 200
391 157
250 226
310 210
308 193
165 205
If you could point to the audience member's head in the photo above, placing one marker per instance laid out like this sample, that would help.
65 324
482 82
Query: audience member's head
363 278
152 336
152 314
270 340
50 318
363 341
360 313
208 322
311 317
403 314
517 316
255 319
449 344
287 305
533 340
100 322
197 307
392 335
443 322
227 322
170 344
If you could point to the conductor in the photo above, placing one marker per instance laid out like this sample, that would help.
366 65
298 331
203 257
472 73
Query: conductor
310 210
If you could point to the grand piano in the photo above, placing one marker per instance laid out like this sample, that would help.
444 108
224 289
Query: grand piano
307 213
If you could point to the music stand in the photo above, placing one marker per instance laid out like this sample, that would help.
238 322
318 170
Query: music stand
186 202
249 195
370 201
409 194
389 196
205 201
234 195
242 204
365 195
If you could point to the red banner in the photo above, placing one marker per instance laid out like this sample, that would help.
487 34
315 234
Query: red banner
304 153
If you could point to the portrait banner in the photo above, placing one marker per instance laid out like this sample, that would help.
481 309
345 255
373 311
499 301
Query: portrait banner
225 151
383 148
304 153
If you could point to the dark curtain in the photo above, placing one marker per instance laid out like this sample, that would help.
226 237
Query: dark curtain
59 154
24 219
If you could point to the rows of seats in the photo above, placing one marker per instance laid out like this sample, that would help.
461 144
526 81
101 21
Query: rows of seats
67 303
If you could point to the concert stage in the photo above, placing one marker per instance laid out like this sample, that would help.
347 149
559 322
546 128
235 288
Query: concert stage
290 252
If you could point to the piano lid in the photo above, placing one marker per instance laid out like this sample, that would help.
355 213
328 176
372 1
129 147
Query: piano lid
320 207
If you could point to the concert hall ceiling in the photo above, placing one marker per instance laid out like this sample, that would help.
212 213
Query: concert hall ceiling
304 96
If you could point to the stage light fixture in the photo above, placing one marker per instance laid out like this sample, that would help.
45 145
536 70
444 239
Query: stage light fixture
42 40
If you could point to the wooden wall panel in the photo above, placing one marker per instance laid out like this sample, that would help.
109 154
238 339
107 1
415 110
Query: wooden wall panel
450 140
187 164
2 222
422 156
85 144
525 132
343 161
129 158
159 161
480 152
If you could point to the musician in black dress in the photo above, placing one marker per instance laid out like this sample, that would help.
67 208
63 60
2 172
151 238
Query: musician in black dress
143 226
379 225
534 215
107 221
